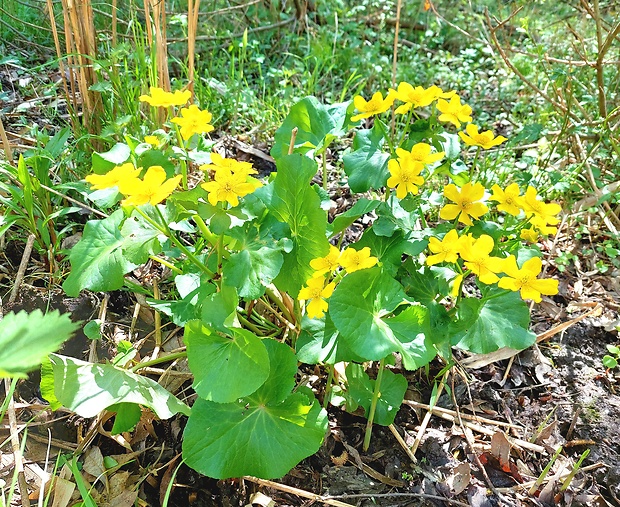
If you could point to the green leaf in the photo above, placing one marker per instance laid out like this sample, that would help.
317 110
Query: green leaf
219 310
92 330
265 434
252 270
318 125
259 258
293 202
225 368
47 384
485 325
392 389
345 219
141 239
97 261
27 338
88 388
424 284
412 333
194 290
389 250
356 307
613 349
609 362
320 342
366 164
104 162
127 416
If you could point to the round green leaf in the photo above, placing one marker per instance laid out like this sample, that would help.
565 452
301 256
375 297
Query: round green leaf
225 368
264 434
357 307
392 389
485 325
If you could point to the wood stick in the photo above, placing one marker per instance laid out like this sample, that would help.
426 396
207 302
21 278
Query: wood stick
19 278
17 453
297 492
440 410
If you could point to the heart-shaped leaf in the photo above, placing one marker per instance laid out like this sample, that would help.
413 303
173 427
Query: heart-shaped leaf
225 368
264 434
88 388
499 319
97 261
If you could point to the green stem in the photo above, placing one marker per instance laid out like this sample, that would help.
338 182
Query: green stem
324 162
166 230
373 405
473 164
183 162
328 384
204 230
158 360
167 264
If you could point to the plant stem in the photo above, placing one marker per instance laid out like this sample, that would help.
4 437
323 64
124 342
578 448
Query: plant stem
164 262
204 229
158 360
324 163
373 405
473 164
328 384
166 230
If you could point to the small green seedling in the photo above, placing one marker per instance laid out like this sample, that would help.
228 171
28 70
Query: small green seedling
611 361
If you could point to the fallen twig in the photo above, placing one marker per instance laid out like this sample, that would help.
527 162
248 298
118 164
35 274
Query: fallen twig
297 492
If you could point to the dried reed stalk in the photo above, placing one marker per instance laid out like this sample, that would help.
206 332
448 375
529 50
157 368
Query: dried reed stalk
8 152
161 43
192 25
69 96
81 50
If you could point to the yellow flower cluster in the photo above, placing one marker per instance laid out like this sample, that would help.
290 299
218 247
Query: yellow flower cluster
477 258
232 180
152 189
469 202
318 288
406 168
192 119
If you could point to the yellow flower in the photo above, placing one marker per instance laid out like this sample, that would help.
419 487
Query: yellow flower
445 250
193 121
159 98
509 200
326 264
152 189
453 111
152 140
525 279
414 97
455 286
467 203
534 207
477 259
317 294
238 168
353 260
376 105
405 174
113 178
421 152
485 139
228 187
530 235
